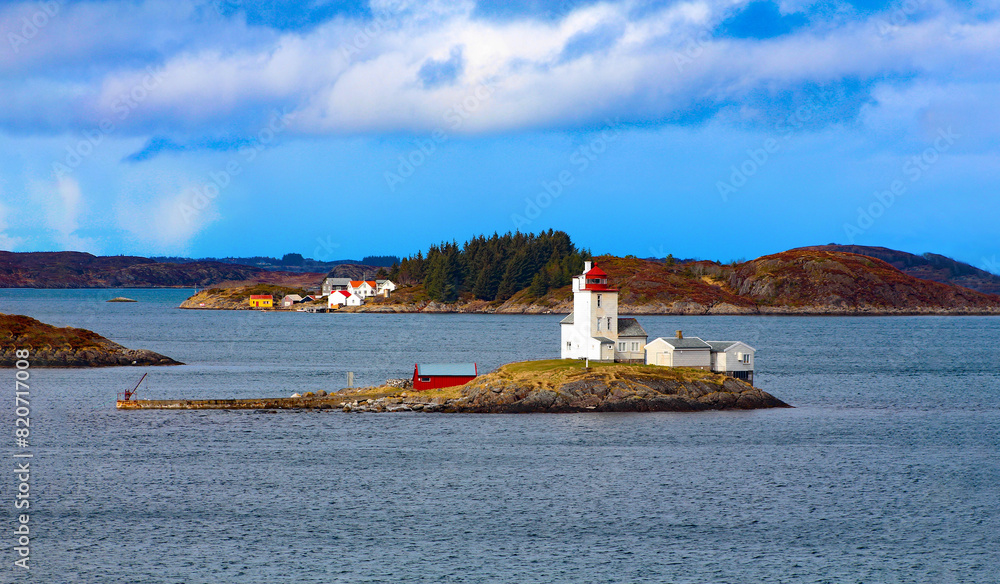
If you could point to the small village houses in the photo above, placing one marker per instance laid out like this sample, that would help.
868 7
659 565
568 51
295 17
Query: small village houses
261 301
334 284
290 299
384 287
363 288
343 298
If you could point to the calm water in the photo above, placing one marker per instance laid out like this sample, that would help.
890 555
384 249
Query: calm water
888 470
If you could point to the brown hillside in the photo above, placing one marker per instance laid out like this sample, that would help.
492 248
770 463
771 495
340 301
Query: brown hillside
929 266
847 282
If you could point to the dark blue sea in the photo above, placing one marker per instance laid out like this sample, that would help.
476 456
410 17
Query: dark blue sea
886 471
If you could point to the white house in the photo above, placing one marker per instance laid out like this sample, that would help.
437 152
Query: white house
343 298
363 288
593 330
734 358
679 351
384 287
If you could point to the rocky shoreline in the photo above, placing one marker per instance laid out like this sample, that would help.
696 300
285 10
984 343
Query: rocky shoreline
679 308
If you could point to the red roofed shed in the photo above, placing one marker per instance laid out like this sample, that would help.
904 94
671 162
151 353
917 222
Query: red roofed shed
435 375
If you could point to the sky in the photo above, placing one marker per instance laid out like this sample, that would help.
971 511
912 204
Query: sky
713 129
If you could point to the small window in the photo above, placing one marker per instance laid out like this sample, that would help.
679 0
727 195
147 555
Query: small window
635 347
598 300
425 379
621 347
598 325
609 323
569 344
746 357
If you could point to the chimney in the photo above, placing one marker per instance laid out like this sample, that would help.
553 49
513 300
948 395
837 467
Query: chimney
586 267
680 335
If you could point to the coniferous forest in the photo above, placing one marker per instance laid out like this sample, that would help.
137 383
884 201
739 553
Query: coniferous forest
493 268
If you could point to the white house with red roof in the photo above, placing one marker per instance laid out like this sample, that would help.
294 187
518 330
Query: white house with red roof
363 288
343 298
593 330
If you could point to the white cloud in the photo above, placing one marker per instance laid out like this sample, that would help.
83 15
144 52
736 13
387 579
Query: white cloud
223 76
168 223
61 204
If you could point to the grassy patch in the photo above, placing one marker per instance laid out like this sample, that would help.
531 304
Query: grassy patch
24 332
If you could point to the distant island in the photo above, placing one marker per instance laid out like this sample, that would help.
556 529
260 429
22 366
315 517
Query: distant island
51 346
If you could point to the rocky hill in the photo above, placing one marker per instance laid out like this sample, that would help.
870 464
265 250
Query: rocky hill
83 270
838 282
51 346
929 266
561 385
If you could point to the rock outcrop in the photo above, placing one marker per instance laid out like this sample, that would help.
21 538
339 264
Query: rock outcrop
558 386
50 346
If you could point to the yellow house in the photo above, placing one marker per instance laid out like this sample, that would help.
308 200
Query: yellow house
261 301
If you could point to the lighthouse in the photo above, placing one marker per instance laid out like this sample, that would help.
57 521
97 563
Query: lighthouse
593 330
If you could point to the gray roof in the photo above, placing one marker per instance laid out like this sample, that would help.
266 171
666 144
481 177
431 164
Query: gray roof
605 340
630 327
567 320
447 369
686 343
720 346
337 281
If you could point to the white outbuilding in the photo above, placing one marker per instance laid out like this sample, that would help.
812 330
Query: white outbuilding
679 351
734 358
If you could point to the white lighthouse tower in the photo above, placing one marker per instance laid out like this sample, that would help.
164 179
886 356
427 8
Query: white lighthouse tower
593 330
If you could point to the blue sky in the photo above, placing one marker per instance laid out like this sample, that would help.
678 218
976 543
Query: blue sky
701 128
